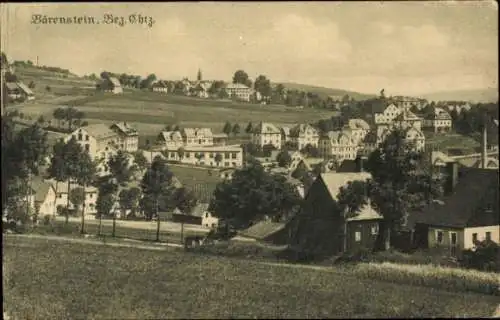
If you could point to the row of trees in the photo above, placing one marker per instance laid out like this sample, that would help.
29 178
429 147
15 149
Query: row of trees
69 115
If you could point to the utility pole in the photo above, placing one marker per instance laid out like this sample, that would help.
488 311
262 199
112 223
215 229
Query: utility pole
157 213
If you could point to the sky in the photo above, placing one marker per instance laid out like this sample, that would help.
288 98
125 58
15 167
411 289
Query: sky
403 47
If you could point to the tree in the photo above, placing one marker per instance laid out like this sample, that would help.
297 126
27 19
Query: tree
31 85
140 160
311 151
263 86
59 115
119 167
218 158
105 200
85 176
184 199
105 75
249 128
236 129
129 200
168 127
41 120
227 128
267 149
402 182
284 159
48 89
77 198
157 184
241 77
180 153
251 195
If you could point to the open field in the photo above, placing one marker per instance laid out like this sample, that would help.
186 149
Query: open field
452 141
70 281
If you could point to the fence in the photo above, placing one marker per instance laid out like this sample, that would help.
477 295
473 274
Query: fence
170 232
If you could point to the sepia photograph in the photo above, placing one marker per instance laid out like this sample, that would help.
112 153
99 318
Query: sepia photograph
250 160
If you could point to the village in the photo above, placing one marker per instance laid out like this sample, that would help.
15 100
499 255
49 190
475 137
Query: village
228 178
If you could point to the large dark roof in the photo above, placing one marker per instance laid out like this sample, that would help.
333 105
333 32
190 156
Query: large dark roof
466 205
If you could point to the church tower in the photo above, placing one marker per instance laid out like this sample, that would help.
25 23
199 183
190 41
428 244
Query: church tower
199 77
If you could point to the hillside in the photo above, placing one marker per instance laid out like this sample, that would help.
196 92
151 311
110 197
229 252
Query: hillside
475 95
322 91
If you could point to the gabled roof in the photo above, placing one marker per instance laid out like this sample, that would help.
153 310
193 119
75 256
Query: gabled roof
236 86
464 204
194 132
407 115
40 188
336 136
358 124
440 157
266 127
99 131
262 229
301 129
115 81
367 212
285 131
25 88
11 85
125 128
174 136
200 209
333 181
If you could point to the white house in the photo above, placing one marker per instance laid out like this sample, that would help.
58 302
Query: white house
304 134
207 218
230 156
197 137
382 113
170 140
338 144
439 120
266 133
111 84
42 197
407 119
468 213
415 138
128 136
359 128
238 91
62 195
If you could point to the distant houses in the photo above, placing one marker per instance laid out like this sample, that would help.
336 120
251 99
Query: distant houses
238 91
110 84
18 90
438 121
266 133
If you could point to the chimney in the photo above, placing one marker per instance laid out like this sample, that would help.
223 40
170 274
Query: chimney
451 177
484 149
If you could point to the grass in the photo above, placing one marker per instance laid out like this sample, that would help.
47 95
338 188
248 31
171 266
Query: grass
452 141
73 229
75 281
452 279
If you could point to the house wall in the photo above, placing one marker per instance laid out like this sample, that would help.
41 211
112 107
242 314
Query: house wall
446 242
90 200
262 139
231 158
209 221
47 207
364 229
481 234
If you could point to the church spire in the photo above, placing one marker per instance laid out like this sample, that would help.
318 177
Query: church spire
198 76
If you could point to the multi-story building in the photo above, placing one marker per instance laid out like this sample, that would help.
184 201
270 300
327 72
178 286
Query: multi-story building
415 138
62 196
197 136
406 103
266 133
238 91
359 128
171 140
407 119
380 112
339 145
128 136
102 142
213 156
438 121
304 134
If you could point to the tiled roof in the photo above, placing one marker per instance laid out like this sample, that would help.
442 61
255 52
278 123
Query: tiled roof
200 209
262 230
367 212
25 88
99 131
174 136
115 81
285 131
465 202
11 85
236 86
194 132
266 127
41 188
333 181
301 129
125 128
358 124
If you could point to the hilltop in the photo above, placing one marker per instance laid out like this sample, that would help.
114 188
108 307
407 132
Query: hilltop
323 91
474 95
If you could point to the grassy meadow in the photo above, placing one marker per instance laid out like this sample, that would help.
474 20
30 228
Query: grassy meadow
61 280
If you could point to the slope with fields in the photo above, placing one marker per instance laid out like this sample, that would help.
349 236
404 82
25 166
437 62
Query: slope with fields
324 92
477 95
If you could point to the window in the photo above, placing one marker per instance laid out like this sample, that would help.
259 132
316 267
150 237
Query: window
439 237
474 238
211 155
87 147
86 137
488 236
80 137
187 155
233 155
375 229
357 236
59 195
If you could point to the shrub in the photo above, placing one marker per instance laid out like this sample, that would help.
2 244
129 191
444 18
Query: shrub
47 220
452 279
485 257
